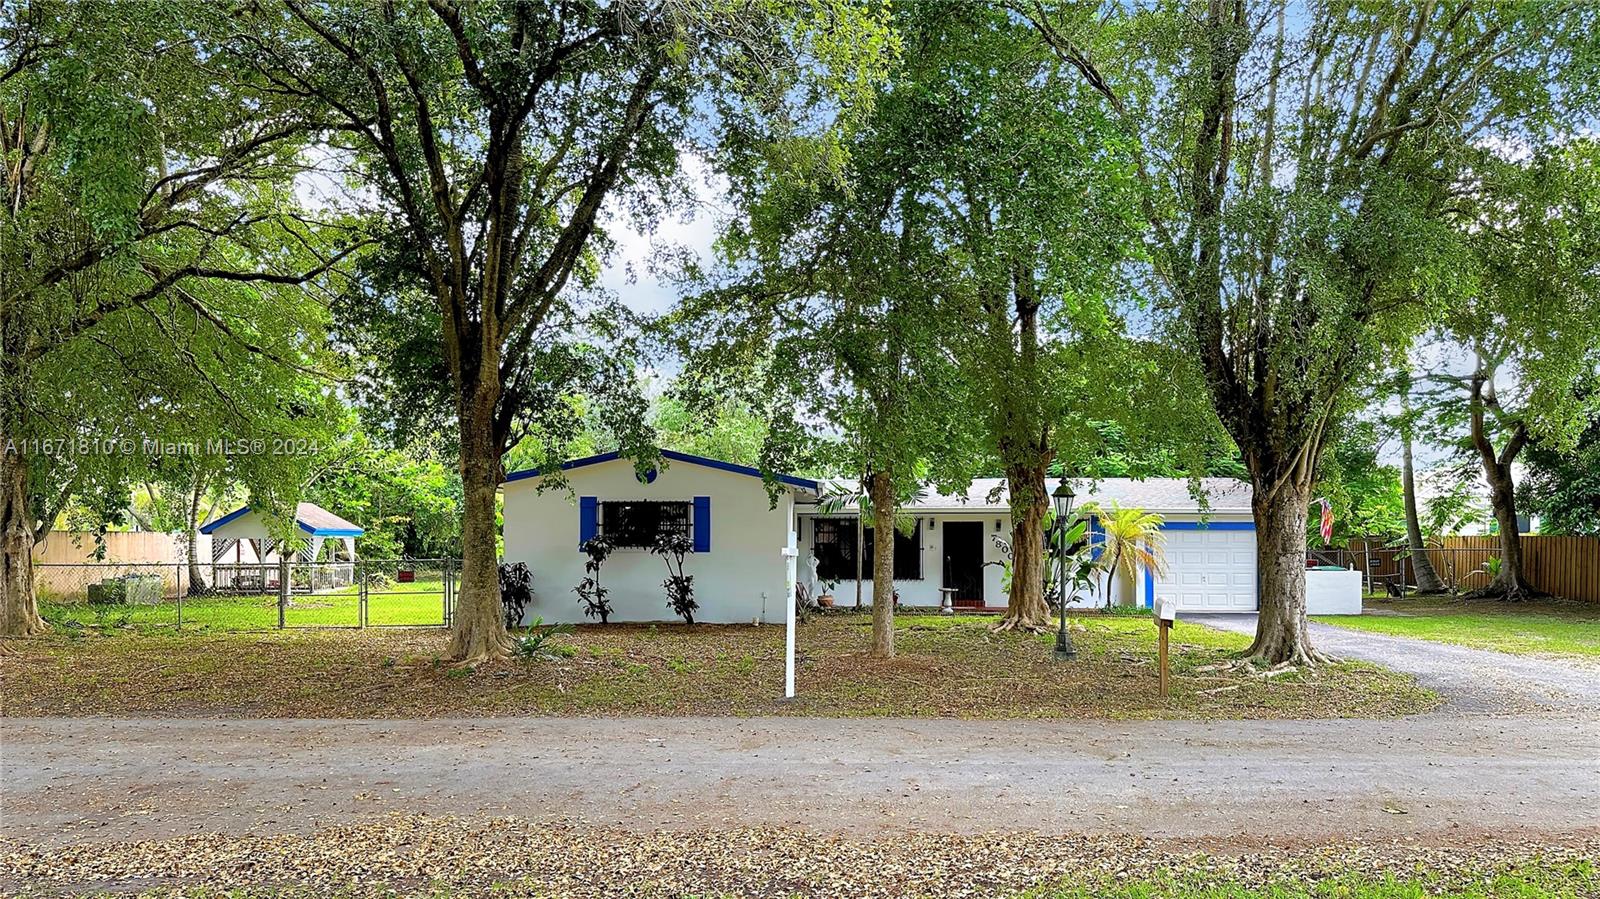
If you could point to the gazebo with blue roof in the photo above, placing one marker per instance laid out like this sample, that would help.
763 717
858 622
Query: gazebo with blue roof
247 528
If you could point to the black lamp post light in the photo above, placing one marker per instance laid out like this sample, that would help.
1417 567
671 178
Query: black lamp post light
1063 496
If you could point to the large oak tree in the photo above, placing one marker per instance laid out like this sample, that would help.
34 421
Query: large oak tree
1298 162
489 137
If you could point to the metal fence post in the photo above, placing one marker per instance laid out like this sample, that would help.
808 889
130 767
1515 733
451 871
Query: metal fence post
361 575
449 589
283 588
179 582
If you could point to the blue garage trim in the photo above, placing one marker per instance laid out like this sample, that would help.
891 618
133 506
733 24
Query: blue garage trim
231 516
674 455
1150 576
1208 526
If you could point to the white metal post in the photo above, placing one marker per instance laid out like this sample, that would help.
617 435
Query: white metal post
790 553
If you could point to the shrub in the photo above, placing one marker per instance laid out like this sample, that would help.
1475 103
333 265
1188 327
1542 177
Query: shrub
590 593
516 591
680 587
535 643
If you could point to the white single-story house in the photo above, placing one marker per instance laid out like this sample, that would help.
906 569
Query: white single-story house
953 547
242 546
744 546
749 553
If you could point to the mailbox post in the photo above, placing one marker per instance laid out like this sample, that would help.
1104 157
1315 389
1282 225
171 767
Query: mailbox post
1165 612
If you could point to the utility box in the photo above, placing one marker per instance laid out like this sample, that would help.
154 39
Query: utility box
1333 591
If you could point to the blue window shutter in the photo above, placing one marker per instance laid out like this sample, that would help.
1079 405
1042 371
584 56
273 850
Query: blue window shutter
702 524
588 519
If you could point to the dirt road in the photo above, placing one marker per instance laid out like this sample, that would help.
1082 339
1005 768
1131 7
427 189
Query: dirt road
1439 777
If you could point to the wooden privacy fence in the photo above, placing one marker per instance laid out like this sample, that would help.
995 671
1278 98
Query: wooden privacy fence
1562 566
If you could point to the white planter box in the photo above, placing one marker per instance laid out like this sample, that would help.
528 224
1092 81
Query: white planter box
1333 592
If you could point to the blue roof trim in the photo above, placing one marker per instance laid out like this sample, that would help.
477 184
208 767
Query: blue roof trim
674 455
315 532
330 532
208 528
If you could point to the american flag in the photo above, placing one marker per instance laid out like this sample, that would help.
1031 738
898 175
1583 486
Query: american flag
1327 521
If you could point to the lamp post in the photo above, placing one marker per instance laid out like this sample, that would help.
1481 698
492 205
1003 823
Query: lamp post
1063 496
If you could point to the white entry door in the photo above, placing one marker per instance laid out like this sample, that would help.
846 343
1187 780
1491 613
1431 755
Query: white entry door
1210 570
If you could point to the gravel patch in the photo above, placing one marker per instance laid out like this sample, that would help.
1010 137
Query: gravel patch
419 855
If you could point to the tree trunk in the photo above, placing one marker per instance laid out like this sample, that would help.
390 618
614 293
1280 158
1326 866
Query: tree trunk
1027 608
478 630
191 540
1281 632
881 486
1111 576
19 609
1511 584
1427 579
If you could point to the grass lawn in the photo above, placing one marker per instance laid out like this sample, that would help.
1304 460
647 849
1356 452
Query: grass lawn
952 667
418 603
1532 628
442 858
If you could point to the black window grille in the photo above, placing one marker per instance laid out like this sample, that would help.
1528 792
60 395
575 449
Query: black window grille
834 542
638 524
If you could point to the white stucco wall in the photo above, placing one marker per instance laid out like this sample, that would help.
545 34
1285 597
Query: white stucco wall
925 592
742 579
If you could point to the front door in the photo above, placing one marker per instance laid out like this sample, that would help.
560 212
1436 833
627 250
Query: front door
963 561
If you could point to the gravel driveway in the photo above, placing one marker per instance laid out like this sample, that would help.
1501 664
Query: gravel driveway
1473 681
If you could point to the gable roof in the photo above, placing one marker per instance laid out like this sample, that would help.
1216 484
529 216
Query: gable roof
1162 495
674 456
310 517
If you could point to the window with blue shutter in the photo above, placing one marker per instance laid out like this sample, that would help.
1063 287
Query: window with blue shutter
588 519
702 524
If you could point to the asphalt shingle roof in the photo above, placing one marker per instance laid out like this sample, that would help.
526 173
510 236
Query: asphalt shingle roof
1165 495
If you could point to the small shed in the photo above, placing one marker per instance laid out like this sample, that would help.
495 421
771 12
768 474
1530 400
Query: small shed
242 548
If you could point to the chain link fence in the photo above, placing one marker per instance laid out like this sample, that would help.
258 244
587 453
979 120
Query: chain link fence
248 596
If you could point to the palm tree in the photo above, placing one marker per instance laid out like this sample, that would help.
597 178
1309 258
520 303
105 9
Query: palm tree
1133 540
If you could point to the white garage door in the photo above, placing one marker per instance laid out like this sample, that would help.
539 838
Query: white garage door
1210 570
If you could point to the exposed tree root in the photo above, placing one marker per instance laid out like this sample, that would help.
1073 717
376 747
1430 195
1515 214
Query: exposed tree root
1503 593
491 649
1009 623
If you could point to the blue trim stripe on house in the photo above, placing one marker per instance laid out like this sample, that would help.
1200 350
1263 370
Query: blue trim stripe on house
1150 576
210 527
702 524
1097 538
675 456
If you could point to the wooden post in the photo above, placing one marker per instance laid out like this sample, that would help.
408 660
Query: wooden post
1165 627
